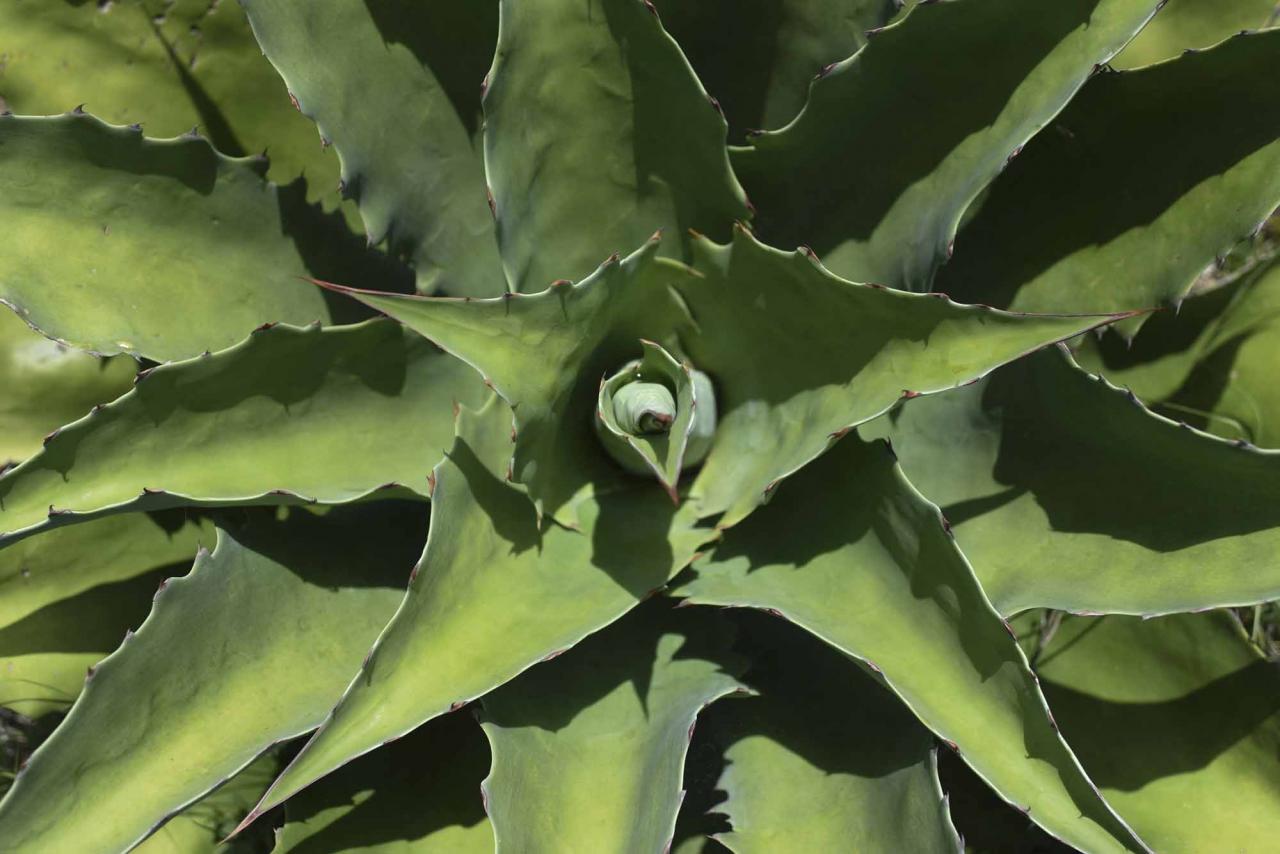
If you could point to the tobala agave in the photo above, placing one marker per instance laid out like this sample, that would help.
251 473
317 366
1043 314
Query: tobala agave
620 458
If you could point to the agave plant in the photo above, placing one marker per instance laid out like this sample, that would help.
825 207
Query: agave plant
577 447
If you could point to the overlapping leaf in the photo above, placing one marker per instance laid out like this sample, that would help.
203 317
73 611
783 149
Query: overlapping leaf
897 140
1170 712
420 795
758 59
588 749
44 385
290 415
795 354
597 133
1122 202
115 243
67 598
253 647
168 64
1192 25
851 552
824 759
496 591
1065 492
395 86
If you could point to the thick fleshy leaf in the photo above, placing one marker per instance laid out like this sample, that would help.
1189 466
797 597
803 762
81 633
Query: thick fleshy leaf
168 64
851 552
799 356
290 415
396 87
1171 713
1066 492
494 593
44 385
1129 200
796 355
877 170
759 58
824 759
545 355
201 827
253 647
597 133
115 243
1212 364
68 597
420 795
588 749
1192 25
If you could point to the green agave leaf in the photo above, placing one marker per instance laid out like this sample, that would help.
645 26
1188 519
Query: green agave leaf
773 331
1223 380
290 415
851 552
200 828
496 591
758 59
45 385
877 170
545 355
251 648
420 795
1066 492
1192 24
115 243
597 132
588 749
68 597
800 356
169 64
1171 712
824 759
395 86
1130 200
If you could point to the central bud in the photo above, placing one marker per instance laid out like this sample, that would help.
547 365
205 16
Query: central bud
656 416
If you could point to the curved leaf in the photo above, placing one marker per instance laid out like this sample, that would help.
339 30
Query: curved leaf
588 749
877 170
1130 200
420 795
494 593
1067 493
1170 712
388 83
851 552
796 355
115 243
45 385
251 648
597 133
168 64
825 759
68 597
799 356
1192 25
288 416
758 59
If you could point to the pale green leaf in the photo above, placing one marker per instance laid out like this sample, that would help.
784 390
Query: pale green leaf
494 593
897 140
253 647
395 86
290 415
597 134
588 749
1192 25
851 552
1065 492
